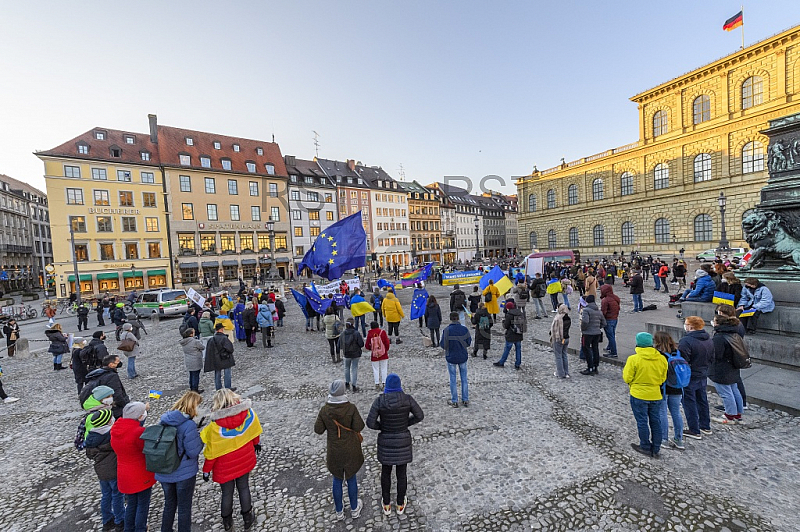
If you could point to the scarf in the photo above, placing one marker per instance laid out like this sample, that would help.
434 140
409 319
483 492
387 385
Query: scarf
339 399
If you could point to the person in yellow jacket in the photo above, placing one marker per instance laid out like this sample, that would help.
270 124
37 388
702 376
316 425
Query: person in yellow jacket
393 312
227 305
227 325
554 288
493 304
644 373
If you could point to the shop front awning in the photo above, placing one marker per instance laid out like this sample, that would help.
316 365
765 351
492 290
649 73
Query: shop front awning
210 264
230 263
107 275
129 274
188 265
153 273
247 262
83 277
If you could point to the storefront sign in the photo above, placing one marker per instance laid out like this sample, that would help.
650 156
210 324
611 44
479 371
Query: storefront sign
470 277
107 210
229 226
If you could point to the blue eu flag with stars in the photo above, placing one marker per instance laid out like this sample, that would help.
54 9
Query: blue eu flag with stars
340 247
418 303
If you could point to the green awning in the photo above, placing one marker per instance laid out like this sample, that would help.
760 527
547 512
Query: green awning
151 273
109 275
127 274
83 277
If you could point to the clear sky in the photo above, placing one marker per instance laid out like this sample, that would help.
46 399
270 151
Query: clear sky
442 87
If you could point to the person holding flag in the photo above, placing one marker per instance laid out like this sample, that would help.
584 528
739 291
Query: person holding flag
359 308
418 305
494 284
340 247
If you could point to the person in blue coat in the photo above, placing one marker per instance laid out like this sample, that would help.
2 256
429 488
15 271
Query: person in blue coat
266 322
179 485
704 287
755 296
455 341
238 321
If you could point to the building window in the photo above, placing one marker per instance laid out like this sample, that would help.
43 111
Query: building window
227 242
597 189
298 251
599 235
263 242
99 174
151 224
233 187
313 231
148 177
308 179
532 203
217 145
298 231
78 224
72 171
154 250
145 155
186 242
125 198
74 197
188 211
83 149
186 160
297 215
104 224
329 215
211 185
186 183
702 168
148 199
260 151
628 235
659 123
626 184
251 167
662 231
128 224
752 157
205 162
234 213
253 188
752 92
270 169
574 241
81 252
124 175
246 241
572 194
273 190
534 240
236 148
313 215
314 197
551 199
660 176
703 228
106 251
101 197
551 239
100 135
208 243
295 195
255 213
275 214
702 109
189 141
226 164
131 250
211 211
280 242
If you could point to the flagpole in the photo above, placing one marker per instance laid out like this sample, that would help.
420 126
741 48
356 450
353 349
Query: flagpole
742 25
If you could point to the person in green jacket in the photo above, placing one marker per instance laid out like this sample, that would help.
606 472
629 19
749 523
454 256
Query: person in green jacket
206 325
644 373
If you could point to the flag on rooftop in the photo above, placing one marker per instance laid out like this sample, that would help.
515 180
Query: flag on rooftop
420 274
734 22
418 303
501 280
340 247
722 298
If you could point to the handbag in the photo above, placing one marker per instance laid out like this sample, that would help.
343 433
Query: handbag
488 297
339 431
127 345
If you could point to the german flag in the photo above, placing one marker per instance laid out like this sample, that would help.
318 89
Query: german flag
733 22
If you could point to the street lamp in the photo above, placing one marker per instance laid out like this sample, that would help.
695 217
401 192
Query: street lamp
273 267
477 222
133 275
724 245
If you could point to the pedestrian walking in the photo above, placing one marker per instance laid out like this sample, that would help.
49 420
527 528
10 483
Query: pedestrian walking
455 342
343 423
333 330
58 345
474 299
192 358
559 338
393 312
219 357
378 343
232 443
515 325
100 309
265 319
129 345
671 404
50 313
133 478
392 413
483 330
592 324
698 350
644 373
491 297
609 306
433 318
97 444
538 291
350 343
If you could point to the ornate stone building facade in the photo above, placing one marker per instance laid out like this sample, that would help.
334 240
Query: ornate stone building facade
699 135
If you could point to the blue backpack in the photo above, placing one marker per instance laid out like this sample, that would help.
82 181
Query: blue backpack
679 372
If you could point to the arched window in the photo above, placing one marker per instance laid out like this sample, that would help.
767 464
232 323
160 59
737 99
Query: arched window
551 199
702 109
597 189
574 242
551 239
532 203
628 235
703 228
752 92
599 235
662 231
659 123
534 240
752 157
660 176
702 168
572 194
626 184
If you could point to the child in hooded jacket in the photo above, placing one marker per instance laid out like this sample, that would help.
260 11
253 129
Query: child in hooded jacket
99 450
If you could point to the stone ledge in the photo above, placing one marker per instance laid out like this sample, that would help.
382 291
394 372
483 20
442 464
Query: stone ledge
783 320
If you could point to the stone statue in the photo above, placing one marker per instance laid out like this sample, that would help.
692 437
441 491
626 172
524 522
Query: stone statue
771 234
777 159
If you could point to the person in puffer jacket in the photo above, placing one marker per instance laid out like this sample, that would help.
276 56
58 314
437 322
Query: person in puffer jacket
133 478
232 444
266 322
592 324
193 350
392 413
703 288
98 449
609 306
179 485
58 345
645 372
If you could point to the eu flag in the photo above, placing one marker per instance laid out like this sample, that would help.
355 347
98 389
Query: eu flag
301 300
340 247
317 303
418 303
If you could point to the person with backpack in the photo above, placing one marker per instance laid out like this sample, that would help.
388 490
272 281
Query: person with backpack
192 358
697 349
678 376
559 338
392 413
107 376
350 343
730 355
592 324
219 357
249 324
79 367
514 324
491 297
433 318
458 300
58 345
474 299
644 373
83 317
343 423
393 312
609 306
455 342
378 343
232 443
521 296
129 346
189 321
179 484
375 300
98 449
483 330
333 330
133 478
266 322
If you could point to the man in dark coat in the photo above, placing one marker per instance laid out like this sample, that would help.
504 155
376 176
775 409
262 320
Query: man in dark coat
457 301
637 289
83 317
219 357
697 348
514 323
190 319
107 376
455 341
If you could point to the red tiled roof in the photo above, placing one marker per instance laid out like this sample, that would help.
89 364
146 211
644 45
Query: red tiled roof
172 143
100 150
16 184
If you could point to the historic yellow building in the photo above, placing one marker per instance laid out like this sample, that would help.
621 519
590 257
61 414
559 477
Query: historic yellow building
698 136
108 185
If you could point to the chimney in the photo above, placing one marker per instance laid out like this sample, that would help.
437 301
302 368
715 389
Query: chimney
351 164
153 128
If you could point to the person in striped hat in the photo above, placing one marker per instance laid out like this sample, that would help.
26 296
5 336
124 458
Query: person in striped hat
98 449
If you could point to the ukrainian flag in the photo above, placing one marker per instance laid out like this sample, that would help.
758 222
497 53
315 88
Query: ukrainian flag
155 394
501 280
722 298
359 306
747 313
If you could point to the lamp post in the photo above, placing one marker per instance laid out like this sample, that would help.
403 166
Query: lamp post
273 267
477 222
74 261
723 242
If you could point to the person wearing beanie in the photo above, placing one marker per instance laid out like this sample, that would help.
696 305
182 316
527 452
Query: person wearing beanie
128 335
644 373
704 287
455 342
133 478
206 325
350 343
343 423
101 397
97 443
392 413
592 324
515 325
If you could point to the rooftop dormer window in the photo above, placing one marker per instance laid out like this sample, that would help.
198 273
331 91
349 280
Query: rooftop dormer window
236 147
145 155
115 151
186 160
226 164
100 135
129 139
83 149
189 141
260 151
251 167
270 169
205 162
217 145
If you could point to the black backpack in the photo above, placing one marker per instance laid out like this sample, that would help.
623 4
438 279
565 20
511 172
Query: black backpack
88 357
87 389
458 301
740 356
523 292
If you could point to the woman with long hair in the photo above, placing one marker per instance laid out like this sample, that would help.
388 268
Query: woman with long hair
433 317
559 337
672 397
58 345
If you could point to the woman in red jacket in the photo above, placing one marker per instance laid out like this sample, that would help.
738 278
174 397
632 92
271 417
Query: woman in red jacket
232 443
133 479
378 342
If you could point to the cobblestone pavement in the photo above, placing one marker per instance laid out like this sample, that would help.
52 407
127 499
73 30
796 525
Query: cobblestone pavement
531 452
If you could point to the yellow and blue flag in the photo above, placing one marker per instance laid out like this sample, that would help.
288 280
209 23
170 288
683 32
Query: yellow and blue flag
340 247
501 280
418 303
723 298
747 313
359 306
220 440
154 394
